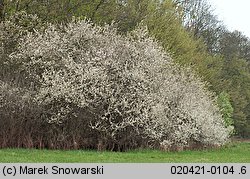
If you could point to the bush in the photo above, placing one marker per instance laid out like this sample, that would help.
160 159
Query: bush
101 90
19 117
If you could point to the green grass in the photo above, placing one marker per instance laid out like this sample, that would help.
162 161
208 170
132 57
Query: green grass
233 153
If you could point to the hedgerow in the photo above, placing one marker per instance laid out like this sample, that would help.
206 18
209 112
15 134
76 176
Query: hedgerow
94 88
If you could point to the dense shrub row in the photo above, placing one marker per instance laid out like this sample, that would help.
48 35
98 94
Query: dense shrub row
84 86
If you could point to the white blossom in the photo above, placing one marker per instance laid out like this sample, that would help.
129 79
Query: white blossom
129 82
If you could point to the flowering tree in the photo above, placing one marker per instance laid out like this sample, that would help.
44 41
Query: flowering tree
124 90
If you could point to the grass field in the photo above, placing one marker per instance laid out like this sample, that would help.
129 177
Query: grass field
232 153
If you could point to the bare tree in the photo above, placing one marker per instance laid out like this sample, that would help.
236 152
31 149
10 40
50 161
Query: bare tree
198 17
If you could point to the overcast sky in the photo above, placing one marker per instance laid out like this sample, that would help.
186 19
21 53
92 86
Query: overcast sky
234 13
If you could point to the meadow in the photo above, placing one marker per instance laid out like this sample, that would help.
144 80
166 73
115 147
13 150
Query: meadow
232 153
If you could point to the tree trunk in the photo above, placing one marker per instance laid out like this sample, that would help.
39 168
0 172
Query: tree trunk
1 10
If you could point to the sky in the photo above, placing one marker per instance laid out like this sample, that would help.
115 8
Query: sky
234 13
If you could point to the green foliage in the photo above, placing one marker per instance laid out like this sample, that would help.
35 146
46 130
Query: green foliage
226 108
236 79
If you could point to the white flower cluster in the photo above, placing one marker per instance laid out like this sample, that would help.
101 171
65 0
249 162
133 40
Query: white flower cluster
129 83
